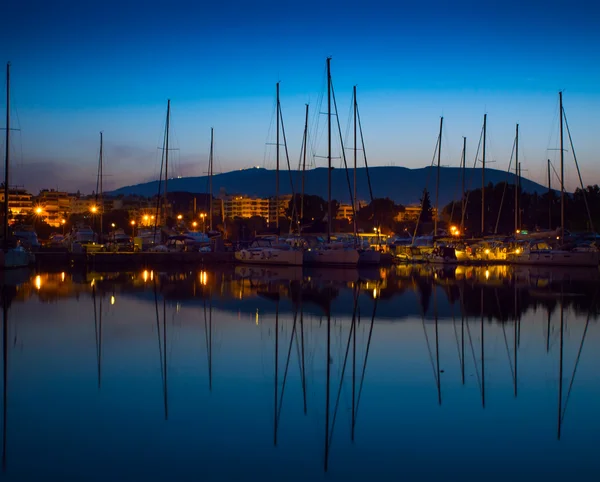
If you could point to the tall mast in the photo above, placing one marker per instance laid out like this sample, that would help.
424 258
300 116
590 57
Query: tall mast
101 175
210 178
328 149
354 197
303 168
517 179
6 156
483 177
549 198
562 174
519 188
437 184
277 164
464 170
166 208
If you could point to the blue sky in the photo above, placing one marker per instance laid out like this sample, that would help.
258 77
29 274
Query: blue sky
83 67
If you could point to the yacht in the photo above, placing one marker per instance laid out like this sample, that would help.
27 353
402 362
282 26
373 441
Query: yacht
541 253
264 251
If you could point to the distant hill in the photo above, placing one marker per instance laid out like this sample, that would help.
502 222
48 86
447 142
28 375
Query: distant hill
401 184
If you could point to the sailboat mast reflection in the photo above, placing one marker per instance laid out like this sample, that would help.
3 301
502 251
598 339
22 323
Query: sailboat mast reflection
208 336
560 366
98 333
162 348
4 372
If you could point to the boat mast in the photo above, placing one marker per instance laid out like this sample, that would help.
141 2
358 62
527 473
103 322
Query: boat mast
354 198
483 177
517 173
166 205
6 156
277 165
101 197
549 198
303 169
328 149
210 185
437 184
464 170
562 174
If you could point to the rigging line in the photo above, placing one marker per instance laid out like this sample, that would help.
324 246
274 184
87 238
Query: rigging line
269 133
337 118
506 185
362 376
362 141
587 322
425 189
287 157
587 207
158 332
352 328
158 199
472 173
435 375
473 352
456 336
287 365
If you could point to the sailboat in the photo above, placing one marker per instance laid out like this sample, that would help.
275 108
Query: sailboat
330 254
264 250
539 251
368 255
10 256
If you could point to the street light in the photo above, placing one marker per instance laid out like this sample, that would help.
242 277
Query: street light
133 228
194 224
38 210
93 209
203 215
180 217
63 222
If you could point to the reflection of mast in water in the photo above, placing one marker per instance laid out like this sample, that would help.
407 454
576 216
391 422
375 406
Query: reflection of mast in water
513 370
482 354
4 371
434 366
461 353
98 333
560 369
162 349
364 368
327 380
356 292
208 336
561 415
275 390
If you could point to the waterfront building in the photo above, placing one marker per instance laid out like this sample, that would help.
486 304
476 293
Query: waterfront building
20 202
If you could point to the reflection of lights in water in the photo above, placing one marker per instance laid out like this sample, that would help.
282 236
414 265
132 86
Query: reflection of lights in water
374 293
151 275
38 282
178 307
145 275
203 277
257 316
62 276
112 300
487 274
93 282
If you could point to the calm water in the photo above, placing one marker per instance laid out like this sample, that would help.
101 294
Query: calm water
224 375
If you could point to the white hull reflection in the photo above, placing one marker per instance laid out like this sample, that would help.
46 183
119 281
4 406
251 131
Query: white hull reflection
331 257
269 273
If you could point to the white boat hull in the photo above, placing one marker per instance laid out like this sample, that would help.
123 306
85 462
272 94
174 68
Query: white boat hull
332 257
267 256
556 258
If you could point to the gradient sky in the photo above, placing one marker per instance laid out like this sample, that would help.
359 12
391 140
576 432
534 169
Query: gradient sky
82 67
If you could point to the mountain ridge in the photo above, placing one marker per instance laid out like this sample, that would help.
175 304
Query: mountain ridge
401 184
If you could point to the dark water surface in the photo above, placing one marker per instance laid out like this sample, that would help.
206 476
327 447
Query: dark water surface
289 375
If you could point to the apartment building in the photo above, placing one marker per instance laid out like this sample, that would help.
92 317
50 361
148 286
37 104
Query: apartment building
20 202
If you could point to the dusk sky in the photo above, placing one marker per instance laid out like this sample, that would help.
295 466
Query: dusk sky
82 67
